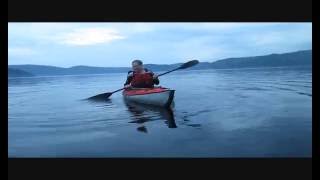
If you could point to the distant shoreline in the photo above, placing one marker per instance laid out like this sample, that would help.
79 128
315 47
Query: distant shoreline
254 68
298 58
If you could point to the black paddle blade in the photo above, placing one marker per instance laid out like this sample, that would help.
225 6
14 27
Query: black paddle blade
189 64
103 96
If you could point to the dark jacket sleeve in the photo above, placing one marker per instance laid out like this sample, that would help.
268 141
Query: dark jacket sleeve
156 81
129 79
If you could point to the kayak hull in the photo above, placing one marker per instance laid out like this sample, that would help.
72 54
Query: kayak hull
162 97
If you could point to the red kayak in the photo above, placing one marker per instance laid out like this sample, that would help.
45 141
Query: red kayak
158 96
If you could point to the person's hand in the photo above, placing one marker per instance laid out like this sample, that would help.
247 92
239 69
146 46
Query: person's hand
127 86
155 76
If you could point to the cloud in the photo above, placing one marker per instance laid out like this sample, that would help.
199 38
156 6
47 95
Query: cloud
89 36
116 44
21 51
288 36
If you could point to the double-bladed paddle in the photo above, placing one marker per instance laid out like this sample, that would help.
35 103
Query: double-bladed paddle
182 66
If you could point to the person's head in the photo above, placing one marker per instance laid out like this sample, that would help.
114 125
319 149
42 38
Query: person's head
137 65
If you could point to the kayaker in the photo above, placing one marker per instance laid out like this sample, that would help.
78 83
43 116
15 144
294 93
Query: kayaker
140 77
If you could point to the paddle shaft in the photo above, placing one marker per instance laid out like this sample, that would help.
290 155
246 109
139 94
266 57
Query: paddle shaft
117 90
168 72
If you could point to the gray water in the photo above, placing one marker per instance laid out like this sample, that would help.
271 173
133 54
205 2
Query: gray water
217 113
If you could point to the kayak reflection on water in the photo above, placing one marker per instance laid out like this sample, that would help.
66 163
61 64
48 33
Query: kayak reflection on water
143 113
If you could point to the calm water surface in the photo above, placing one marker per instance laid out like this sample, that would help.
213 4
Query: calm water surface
217 113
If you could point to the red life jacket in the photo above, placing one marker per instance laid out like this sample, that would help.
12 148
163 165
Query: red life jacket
144 80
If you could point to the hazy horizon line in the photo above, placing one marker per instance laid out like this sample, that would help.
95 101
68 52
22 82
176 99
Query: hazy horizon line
155 64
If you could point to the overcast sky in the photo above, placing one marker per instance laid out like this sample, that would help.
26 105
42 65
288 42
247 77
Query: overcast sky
117 44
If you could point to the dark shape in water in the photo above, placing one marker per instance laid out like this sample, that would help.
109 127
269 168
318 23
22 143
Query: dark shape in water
194 125
142 129
138 112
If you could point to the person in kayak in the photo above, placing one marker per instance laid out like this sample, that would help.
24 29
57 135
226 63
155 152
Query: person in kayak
140 77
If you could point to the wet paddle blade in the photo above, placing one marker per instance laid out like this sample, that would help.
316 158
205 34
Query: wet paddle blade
103 96
189 64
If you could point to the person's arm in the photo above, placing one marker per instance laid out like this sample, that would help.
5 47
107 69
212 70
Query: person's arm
156 80
129 79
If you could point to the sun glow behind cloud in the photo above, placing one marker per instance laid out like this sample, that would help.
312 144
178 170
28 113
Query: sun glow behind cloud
89 36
